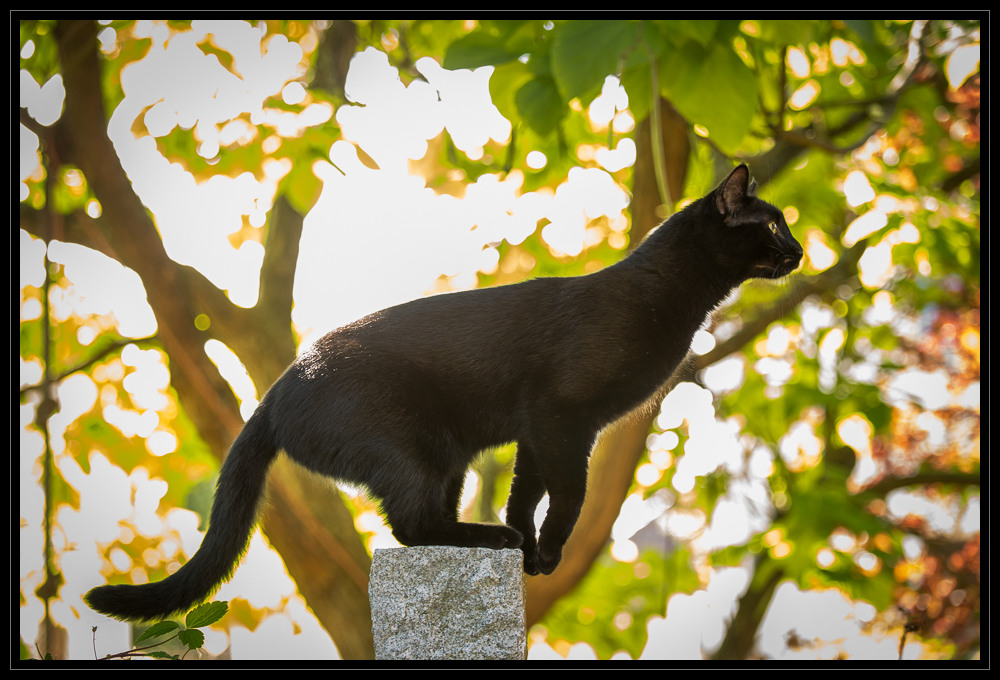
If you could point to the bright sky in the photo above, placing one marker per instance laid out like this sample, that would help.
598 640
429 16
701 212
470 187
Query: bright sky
375 238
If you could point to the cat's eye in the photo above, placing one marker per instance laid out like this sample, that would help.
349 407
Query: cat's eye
773 227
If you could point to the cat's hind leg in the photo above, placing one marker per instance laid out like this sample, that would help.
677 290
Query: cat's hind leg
425 512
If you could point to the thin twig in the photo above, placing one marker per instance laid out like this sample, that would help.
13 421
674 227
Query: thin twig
138 651
91 360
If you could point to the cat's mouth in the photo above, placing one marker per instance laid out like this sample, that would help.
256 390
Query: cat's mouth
781 265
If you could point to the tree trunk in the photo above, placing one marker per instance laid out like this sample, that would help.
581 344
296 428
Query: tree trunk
330 551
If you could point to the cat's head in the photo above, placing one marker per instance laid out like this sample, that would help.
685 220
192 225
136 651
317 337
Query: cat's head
757 237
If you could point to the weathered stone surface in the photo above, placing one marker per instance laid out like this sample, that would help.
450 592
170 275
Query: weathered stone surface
441 602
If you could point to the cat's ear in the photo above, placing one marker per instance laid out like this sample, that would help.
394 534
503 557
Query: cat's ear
734 190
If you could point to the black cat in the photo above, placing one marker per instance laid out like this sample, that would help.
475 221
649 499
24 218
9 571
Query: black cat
403 400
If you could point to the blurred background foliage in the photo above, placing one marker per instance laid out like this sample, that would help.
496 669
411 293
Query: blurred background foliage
847 397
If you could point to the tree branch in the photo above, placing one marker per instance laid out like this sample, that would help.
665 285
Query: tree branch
884 486
825 282
789 144
741 634
99 354
128 226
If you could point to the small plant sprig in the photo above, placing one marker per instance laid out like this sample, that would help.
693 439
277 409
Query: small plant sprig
188 634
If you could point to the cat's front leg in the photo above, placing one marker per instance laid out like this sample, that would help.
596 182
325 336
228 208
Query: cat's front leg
526 490
561 462
565 501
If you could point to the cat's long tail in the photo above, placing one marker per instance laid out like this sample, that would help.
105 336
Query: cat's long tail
234 514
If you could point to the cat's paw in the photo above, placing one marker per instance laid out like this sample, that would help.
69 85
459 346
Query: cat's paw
537 562
511 538
530 563
496 536
548 561
493 536
530 550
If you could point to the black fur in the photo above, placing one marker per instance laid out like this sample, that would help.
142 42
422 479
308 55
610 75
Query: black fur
403 400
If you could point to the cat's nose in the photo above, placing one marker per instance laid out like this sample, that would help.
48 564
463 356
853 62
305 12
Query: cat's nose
792 258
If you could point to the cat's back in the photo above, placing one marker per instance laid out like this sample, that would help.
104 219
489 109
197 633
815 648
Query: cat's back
461 360
448 334
464 322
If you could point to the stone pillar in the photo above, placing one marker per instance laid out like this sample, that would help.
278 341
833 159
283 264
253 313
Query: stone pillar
442 602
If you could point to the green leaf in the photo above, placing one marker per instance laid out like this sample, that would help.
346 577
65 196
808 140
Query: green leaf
712 87
730 556
158 630
161 655
303 188
785 32
301 185
192 637
584 53
700 30
505 82
473 51
682 576
206 614
637 77
224 57
479 48
865 30
540 105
